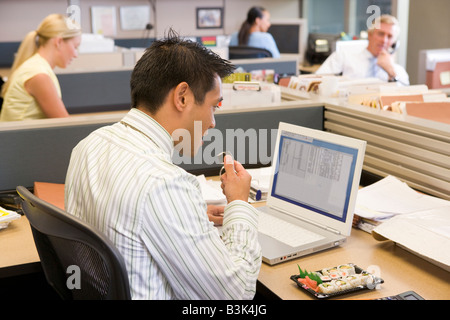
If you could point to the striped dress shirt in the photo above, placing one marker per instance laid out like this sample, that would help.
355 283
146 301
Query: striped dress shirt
121 180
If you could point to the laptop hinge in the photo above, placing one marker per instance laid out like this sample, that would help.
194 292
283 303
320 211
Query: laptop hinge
307 220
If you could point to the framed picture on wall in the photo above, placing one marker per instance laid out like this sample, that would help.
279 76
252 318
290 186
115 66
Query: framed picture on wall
134 17
104 20
210 18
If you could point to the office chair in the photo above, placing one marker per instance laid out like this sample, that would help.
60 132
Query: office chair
62 241
246 52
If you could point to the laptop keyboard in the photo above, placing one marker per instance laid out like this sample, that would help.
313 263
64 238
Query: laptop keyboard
285 232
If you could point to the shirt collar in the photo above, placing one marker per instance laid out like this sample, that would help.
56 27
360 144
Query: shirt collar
369 54
150 128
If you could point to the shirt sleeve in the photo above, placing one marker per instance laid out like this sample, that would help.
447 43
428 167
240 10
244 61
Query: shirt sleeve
196 262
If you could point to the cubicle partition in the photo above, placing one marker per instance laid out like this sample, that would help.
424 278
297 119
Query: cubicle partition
39 150
96 91
94 88
414 150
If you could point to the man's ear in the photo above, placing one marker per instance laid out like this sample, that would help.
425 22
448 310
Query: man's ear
181 96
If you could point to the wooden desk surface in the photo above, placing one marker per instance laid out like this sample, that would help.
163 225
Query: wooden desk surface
401 270
17 249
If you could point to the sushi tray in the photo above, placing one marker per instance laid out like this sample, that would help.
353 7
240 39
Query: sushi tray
335 281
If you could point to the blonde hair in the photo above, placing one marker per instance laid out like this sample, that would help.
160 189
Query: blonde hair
387 19
54 25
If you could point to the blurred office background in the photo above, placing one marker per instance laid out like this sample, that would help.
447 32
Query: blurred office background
424 24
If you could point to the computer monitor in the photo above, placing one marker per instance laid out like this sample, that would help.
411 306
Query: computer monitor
434 68
320 47
290 35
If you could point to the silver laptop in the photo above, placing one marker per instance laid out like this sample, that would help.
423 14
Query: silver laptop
313 188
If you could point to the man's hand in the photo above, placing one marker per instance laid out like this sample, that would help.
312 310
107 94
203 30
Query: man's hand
235 181
385 61
215 214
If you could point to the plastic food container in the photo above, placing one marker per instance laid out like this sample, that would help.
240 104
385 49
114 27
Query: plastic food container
336 281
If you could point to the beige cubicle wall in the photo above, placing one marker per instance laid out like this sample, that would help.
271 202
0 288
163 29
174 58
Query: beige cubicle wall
415 150
101 81
39 150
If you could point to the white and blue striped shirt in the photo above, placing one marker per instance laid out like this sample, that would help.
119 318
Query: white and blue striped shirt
122 181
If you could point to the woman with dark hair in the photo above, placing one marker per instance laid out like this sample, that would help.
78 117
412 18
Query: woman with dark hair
254 33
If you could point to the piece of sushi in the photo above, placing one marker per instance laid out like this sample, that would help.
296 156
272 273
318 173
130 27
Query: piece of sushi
367 279
328 271
348 268
325 278
328 288
354 280
334 275
342 285
343 274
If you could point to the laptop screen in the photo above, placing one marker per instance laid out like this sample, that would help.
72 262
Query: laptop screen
314 174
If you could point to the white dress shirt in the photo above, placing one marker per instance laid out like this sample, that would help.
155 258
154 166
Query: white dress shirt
358 65
121 180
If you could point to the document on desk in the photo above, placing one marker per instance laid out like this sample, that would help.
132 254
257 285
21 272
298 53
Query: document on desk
390 197
425 233
212 192
260 183
420 223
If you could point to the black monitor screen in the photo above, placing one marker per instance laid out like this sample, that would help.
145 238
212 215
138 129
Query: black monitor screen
286 36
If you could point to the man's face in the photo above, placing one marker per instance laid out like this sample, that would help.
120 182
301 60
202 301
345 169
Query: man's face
381 39
201 116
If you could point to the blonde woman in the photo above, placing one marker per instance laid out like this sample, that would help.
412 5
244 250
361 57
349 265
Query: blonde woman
32 91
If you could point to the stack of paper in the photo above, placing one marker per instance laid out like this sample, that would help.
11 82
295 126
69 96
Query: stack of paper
212 192
415 221
425 233
260 183
390 197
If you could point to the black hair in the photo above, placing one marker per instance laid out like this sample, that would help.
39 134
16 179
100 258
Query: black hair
244 32
170 61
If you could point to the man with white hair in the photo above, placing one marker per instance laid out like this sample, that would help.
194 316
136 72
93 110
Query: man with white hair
376 60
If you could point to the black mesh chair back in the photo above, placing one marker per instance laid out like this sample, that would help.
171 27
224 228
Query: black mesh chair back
79 262
246 52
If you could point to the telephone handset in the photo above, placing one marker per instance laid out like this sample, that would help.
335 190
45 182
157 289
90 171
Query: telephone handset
393 48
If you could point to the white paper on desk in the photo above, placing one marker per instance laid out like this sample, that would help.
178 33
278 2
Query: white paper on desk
261 178
426 233
211 191
389 197
6 216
